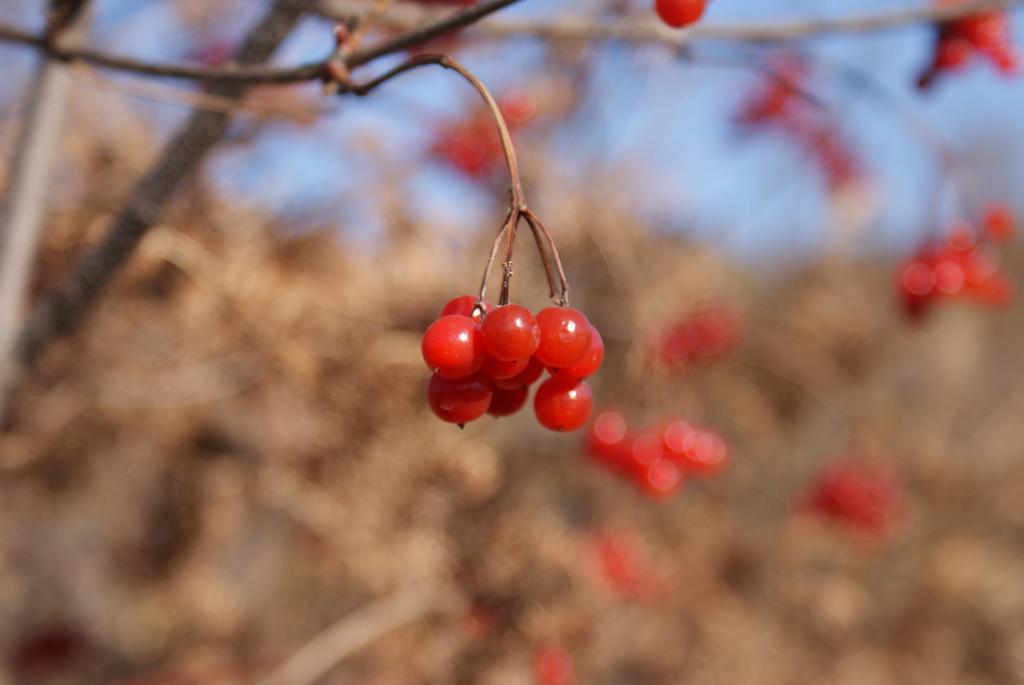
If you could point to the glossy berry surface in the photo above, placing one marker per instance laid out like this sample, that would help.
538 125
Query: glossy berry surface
459 400
497 370
453 346
511 333
507 402
527 377
466 306
563 405
564 336
680 13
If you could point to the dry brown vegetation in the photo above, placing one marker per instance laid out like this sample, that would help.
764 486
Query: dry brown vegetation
236 452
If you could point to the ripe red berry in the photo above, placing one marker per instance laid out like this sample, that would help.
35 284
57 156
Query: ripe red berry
497 370
459 400
998 222
949 277
453 346
563 405
511 333
565 336
466 306
507 402
866 499
679 13
607 436
706 453
660 479
525 378
553 666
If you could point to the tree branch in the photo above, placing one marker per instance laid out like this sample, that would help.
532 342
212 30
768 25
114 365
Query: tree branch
647 30
22 221
62 308
326 650
255 75
565 28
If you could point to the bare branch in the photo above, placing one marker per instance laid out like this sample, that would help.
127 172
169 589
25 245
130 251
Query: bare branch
22 222
581 28
62 308
565 28
241 74
329 648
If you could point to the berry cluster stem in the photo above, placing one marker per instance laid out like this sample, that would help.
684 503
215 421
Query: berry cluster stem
518 210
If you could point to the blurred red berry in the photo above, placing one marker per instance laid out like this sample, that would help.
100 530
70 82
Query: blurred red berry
862 498
680 13
553 666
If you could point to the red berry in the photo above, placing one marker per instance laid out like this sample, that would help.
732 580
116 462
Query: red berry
590 363
660 479
553 666
563 405
864 498
949 277
511 333
466 306
917 279
679 13
999 222
507 402
607 435
525 379
459 400
453 346
564 336
497 370
676 437
706 453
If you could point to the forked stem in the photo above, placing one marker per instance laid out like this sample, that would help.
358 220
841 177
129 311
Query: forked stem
518 209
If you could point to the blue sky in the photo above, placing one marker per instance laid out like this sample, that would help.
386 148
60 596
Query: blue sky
664 120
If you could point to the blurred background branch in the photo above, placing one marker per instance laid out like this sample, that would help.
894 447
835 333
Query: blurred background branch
59 310
34 160
569 28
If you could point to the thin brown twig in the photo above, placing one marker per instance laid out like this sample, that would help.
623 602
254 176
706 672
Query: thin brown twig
326 650
259 74
534 221
647 31
518 208
571 28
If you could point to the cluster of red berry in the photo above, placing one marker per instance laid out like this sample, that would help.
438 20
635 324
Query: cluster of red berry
700 336
680 13
956 42
486 358
656 460
963 265
778 103
863 499
472 145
